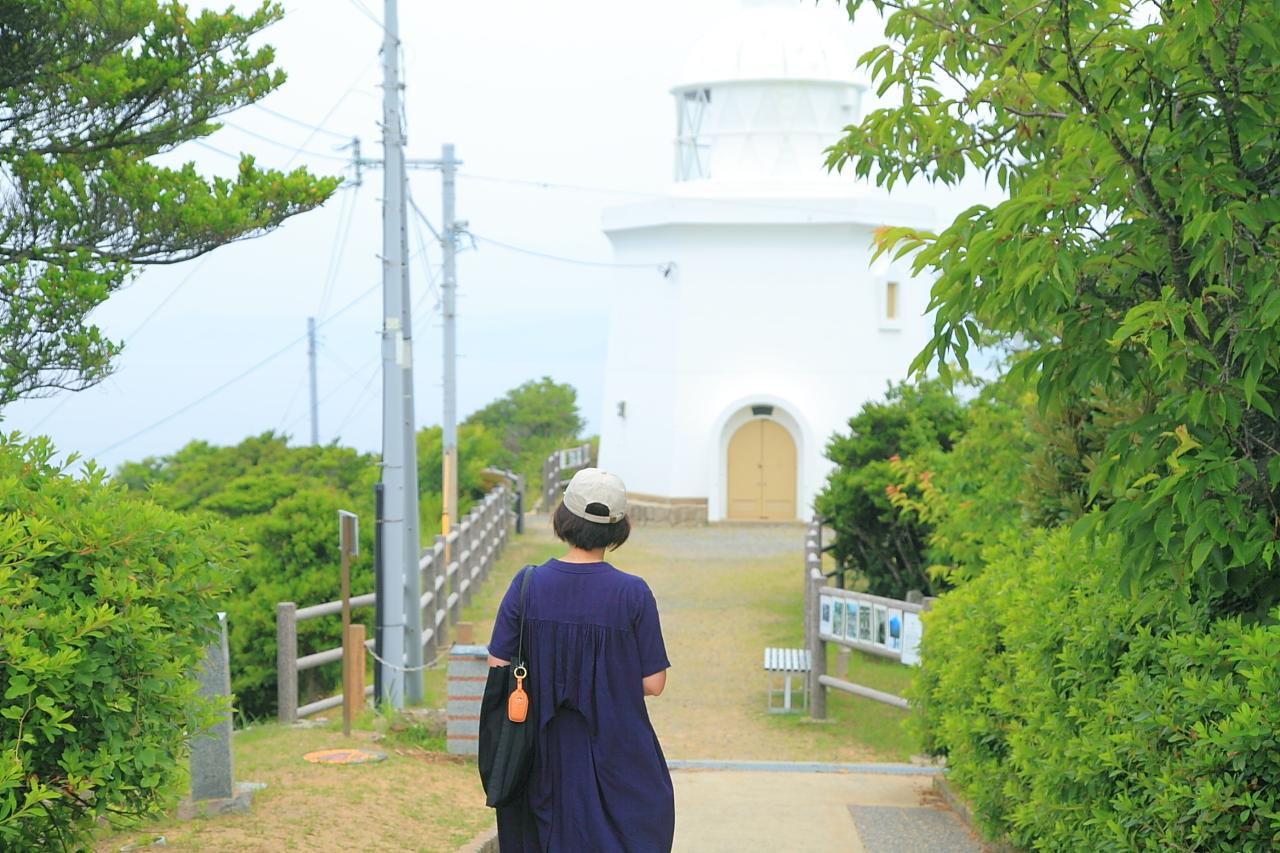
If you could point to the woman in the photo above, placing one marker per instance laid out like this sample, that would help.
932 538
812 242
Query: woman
594 649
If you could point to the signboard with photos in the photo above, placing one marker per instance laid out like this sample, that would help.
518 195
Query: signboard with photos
850 621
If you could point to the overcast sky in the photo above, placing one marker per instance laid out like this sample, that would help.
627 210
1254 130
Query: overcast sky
568 92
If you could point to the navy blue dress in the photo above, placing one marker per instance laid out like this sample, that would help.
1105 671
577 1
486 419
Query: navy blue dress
600 781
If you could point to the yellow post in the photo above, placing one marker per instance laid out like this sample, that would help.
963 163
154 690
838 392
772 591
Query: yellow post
446 473
352 675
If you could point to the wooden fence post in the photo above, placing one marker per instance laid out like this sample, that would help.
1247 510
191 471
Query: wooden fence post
427 583
287 662
817 648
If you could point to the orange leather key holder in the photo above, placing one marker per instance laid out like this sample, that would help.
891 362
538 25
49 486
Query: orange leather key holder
518 701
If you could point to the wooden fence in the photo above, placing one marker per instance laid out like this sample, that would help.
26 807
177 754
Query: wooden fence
872 624
555 468
474 545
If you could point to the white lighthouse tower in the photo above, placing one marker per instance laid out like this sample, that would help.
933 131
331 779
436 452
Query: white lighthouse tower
726 378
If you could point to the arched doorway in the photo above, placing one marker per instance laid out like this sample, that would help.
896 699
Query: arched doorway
762 472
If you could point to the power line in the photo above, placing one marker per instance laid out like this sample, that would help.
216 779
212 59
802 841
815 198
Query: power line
306 125
346 216
145 320
296 151
325 118
364 10
216 150
359 401
665 268
233 380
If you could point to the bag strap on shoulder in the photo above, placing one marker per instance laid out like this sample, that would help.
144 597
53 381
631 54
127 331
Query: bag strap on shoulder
524 584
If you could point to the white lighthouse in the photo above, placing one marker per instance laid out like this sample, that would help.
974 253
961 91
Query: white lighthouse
726 378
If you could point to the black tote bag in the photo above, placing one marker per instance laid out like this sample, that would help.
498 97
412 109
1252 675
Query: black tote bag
506 747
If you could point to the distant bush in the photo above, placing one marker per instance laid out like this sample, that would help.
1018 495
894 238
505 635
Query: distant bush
1071 724
281 503
106 603
875 540
530 422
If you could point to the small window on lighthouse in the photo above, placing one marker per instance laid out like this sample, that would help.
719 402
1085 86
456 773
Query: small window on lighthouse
891 306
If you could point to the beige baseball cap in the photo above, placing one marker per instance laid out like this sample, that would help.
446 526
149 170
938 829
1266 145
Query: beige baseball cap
593 486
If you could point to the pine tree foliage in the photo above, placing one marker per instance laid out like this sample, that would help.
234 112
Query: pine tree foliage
91 93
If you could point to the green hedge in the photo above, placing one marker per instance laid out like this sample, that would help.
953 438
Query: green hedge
1071 726
106 604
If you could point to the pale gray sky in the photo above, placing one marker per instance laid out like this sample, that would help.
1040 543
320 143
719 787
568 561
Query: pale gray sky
564 91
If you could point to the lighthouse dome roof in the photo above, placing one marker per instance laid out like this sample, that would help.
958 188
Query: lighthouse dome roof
773 40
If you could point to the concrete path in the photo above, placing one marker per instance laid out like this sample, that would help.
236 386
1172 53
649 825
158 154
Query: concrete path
797 811
747 780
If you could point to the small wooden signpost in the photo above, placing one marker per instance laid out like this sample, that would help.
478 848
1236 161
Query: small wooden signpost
352 635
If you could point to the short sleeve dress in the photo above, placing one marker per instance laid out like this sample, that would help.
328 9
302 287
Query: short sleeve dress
600 782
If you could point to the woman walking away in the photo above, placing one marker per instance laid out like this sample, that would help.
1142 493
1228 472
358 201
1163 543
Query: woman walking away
594 650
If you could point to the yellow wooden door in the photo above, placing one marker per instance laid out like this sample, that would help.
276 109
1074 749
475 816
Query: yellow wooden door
762 472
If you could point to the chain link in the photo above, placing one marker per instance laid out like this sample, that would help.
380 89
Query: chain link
388 663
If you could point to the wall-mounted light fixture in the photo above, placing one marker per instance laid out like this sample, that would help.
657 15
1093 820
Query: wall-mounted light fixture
622 408
761 409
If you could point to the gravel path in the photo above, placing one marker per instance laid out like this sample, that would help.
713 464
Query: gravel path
724 593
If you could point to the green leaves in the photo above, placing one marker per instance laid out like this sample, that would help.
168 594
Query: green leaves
92 671
1071 727
1134 261
92 92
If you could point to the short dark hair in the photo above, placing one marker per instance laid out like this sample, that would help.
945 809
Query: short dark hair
590 535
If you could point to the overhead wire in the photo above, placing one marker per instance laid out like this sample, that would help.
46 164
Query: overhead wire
301 149
300 123
665 267
364 10
346 215
233 380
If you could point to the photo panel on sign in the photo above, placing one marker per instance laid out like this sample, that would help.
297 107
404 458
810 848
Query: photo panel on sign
912 629
864 624
895 630
824 615
837 618
851 620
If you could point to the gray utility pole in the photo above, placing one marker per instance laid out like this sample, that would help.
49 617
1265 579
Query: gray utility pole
311 359
448 298
399 456
413 577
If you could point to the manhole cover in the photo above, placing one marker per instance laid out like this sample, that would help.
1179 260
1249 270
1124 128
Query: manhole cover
344 756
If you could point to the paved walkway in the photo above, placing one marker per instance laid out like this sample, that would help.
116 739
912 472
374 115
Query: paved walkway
746 780
799 811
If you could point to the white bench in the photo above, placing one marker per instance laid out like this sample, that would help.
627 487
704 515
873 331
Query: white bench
790 663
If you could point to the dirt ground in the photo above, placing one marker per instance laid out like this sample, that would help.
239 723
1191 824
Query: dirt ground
411 802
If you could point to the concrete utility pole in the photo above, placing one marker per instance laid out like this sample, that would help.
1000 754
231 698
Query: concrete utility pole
399 457
448 294
412 576
311 358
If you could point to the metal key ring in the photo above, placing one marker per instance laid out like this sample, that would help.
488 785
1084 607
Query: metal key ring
520 671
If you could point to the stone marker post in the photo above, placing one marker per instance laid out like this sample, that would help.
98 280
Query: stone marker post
213 788
211 776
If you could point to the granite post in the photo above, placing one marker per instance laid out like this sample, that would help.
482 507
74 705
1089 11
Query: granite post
211 776
213 788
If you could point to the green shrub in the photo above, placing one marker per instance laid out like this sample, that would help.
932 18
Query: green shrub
107 603
874 539
1070 726
281 503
